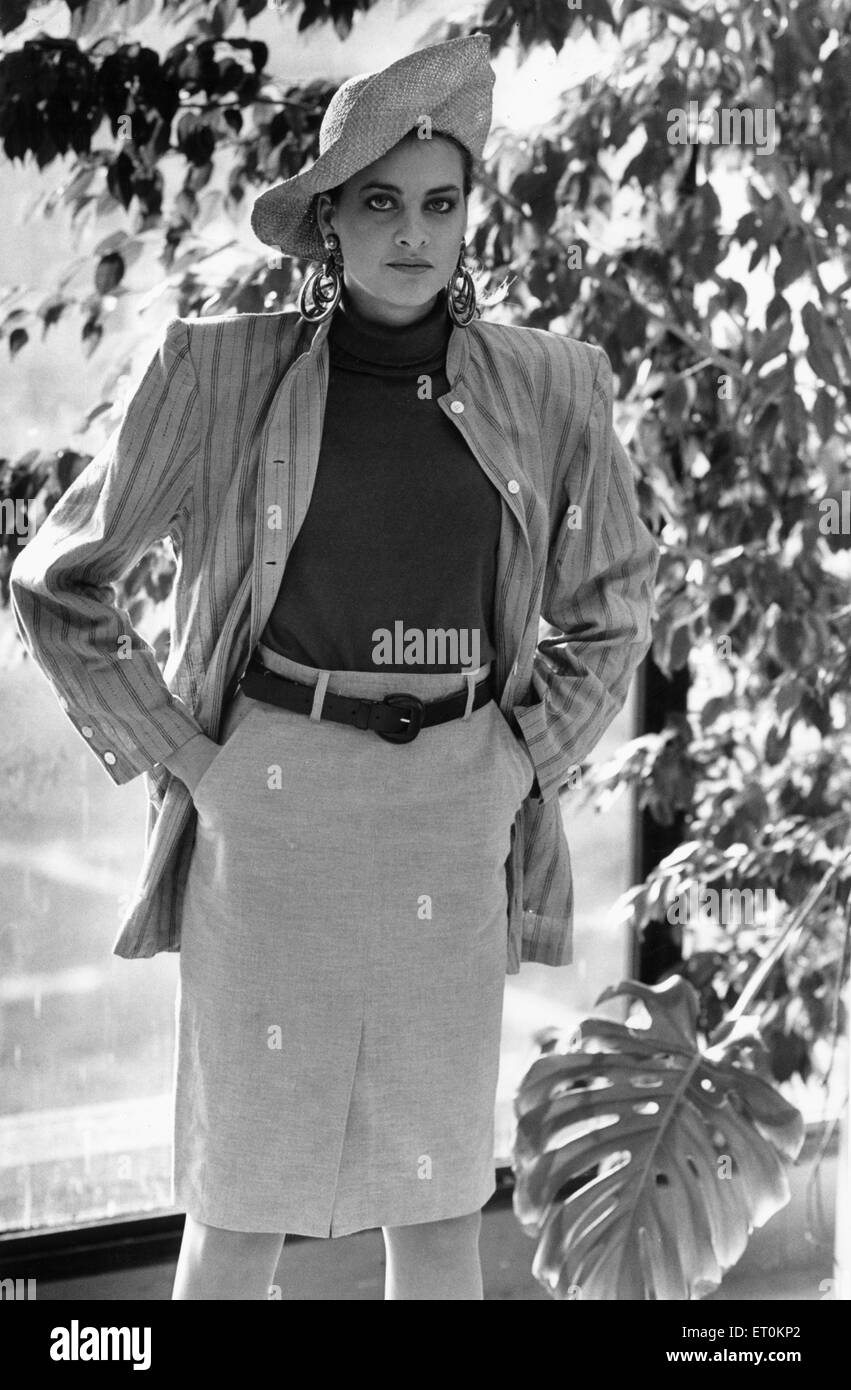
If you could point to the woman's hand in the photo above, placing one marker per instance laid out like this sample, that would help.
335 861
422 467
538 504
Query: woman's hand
191 761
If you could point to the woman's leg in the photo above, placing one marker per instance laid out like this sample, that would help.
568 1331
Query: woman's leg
434 1259
219 1264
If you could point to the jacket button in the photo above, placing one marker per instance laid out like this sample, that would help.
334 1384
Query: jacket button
109 758
86 731
457 407
513 485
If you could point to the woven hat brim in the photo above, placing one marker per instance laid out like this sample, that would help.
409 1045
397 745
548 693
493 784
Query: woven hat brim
451 83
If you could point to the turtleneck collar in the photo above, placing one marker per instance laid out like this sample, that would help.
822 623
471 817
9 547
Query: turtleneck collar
362 344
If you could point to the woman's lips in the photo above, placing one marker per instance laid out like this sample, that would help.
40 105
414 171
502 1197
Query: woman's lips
411 269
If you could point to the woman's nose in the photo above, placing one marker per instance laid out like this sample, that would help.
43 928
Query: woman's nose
412 235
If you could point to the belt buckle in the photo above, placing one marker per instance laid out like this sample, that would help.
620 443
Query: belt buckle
412 724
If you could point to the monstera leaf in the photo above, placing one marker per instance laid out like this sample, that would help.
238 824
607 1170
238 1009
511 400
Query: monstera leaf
642 1163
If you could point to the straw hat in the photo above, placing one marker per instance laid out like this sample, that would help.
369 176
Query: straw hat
450 83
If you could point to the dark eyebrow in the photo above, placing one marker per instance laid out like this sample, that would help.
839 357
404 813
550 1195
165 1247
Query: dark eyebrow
391 188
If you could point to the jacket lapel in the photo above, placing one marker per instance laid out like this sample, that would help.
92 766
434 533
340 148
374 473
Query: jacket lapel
289 454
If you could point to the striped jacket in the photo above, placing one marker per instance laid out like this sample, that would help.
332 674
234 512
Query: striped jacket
219 442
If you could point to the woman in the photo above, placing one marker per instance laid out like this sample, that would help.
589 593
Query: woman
373 500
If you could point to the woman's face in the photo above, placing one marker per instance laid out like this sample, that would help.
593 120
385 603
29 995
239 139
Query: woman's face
407 205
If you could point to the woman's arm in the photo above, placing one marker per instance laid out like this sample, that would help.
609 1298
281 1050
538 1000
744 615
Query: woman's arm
598 595
130 495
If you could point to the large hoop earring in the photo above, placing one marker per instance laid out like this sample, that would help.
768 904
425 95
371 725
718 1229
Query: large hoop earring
461 293
320 293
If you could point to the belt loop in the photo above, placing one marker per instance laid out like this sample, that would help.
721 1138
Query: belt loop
470 677
319 694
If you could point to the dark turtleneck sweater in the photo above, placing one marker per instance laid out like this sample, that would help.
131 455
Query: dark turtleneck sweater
402 529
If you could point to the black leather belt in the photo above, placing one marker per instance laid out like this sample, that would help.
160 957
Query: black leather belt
397 718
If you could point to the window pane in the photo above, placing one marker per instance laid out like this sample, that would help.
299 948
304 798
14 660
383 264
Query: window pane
85 1038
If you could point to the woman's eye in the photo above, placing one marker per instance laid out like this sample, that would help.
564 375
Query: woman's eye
385 198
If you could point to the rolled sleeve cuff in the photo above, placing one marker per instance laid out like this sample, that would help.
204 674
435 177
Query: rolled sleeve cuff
532 722
121 762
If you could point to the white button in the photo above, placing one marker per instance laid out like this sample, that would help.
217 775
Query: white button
86 731
109 758
457 407
513 485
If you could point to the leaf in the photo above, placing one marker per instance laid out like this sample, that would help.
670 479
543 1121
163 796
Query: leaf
772 344
680 647
776 745
198 176
794 258
650 163
819 353
137 10
110 243
680 854
119 180
12 13
51 310
91 335
824 415
787 640
186 205
223 13
642 1164
714 707
722 610
69 465
196 139
78 185
84 18
18 338
93 414
109 273
676 398
789 1054
789 696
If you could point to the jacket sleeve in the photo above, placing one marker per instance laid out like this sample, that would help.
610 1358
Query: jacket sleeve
127 497
598 595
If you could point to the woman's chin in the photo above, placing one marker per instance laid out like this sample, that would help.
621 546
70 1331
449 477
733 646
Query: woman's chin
413 293
410 289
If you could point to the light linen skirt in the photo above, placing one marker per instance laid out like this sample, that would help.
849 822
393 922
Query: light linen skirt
342 965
